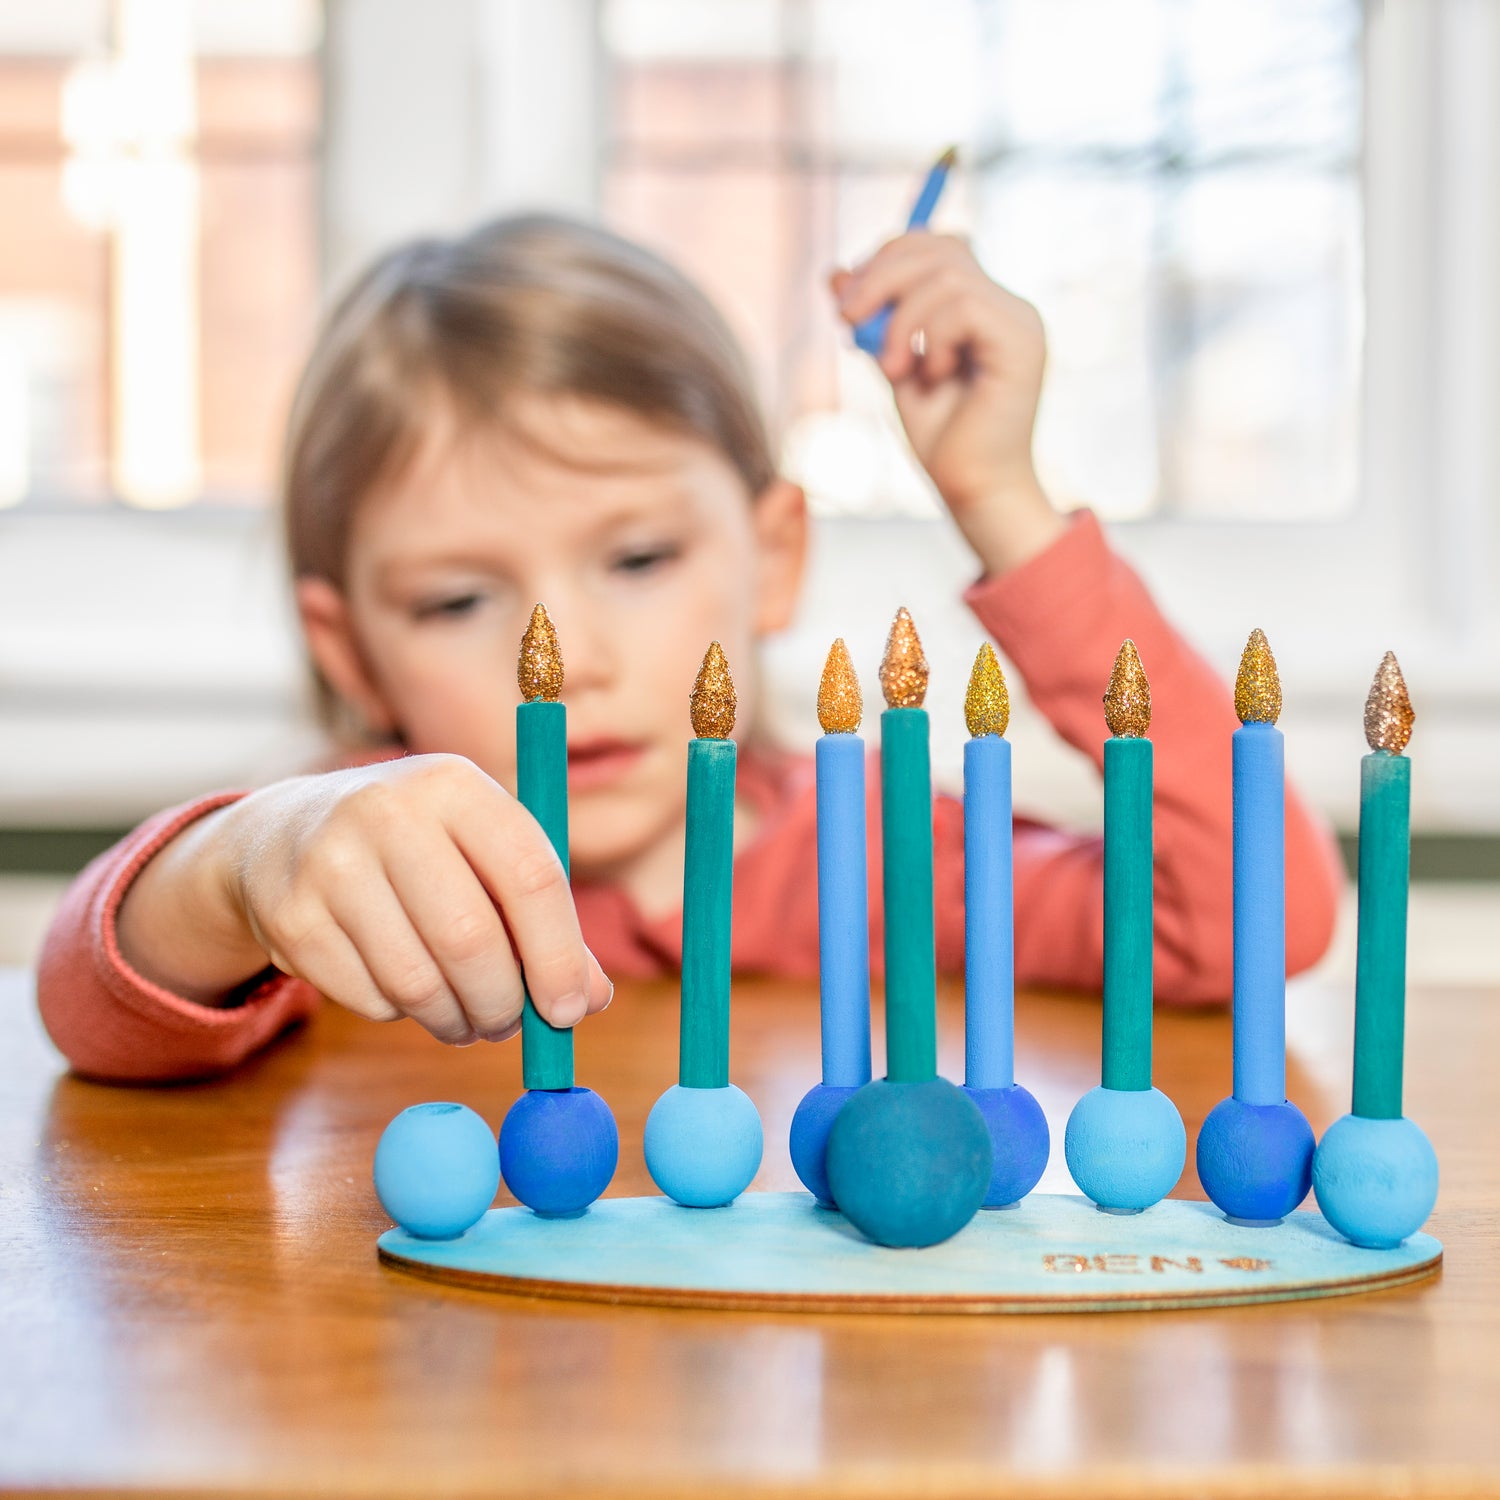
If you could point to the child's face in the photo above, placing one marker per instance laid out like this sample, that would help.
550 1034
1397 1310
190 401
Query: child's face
643 552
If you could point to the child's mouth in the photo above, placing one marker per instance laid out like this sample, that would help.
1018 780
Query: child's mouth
594 763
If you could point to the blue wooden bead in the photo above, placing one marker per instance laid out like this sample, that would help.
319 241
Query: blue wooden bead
1020 1138
809 1141
1255 1160
703 1146
558 1150
909 1162
1126 1148
436 1170
1375 1180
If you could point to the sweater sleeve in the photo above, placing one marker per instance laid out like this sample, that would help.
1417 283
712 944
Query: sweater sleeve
110 1022
1060 619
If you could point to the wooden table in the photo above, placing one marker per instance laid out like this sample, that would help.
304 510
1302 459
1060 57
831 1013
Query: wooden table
190 1301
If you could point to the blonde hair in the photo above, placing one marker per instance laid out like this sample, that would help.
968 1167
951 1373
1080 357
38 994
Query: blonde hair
531 303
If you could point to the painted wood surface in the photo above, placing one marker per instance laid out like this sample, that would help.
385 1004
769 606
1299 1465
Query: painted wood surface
989 916
1052 1253
1259 914
843 910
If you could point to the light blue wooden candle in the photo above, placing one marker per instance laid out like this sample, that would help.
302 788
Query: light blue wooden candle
703 1136
843 922
559 1144
1018 1128
1375 1173
909 1155
1125 1143
1255 1149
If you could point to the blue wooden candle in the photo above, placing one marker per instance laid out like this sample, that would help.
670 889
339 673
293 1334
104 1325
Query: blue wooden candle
1125 1141
843 921
1375 1173
1255 1149
1018 1128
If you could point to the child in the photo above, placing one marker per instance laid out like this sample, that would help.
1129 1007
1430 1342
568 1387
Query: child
541 411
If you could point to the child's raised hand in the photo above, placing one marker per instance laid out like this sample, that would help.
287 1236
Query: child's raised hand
967 392
416 887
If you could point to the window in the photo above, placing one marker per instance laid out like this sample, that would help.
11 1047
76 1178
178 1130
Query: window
1175 183
158 274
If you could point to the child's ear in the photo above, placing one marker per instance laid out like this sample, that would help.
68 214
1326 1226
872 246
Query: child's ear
780 520
336 653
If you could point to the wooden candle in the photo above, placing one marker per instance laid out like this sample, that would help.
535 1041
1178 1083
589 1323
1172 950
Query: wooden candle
708 883
1127 876
906 823
989 927
542 788
843 905
1384 867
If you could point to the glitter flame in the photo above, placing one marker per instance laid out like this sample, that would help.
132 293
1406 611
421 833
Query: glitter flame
540 667
903 669
987 702
713 702
1257 689
1127 703
840 704
1388 710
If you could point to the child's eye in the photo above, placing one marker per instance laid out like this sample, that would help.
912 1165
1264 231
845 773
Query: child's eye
451 608
644 559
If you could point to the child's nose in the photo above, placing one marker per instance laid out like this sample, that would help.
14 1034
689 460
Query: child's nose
590 648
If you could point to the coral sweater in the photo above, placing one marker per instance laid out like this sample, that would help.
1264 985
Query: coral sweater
1059 619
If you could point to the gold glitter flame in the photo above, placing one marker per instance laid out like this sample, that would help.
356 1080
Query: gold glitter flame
1257 689
1127 703
713 702
987 702
540 668
840 704
1388 710
903 669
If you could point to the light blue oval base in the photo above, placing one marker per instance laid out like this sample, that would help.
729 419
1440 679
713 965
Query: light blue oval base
780 1251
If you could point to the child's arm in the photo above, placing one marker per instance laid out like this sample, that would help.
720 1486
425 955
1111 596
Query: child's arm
1059 603
394 889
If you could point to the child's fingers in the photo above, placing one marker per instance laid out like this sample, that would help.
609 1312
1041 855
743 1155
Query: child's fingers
523 875
896 268
399 962
456 920
915 313
327 959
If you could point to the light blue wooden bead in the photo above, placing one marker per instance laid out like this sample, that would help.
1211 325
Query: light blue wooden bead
703 1146
1126 1148
1375 1180
437 1170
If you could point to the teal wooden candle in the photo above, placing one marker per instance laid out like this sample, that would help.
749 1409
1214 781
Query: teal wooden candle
1128 774
1375 1173
906 831
1384 866
542 789
1125 1143
708 881
703 1138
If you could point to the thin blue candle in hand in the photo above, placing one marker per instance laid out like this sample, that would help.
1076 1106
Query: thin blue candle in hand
1255 1149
